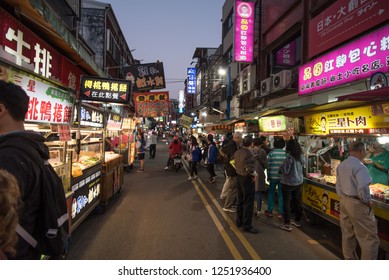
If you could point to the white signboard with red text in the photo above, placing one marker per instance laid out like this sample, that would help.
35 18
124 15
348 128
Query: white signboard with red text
48 104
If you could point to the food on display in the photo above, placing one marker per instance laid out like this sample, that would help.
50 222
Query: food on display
330 179
380 192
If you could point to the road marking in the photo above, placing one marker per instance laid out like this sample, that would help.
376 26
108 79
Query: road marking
227 218
234 251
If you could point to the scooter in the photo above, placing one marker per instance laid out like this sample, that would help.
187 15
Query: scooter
176 162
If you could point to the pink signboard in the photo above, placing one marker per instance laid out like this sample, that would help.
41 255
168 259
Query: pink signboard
357 60
343 20
287 54
244 32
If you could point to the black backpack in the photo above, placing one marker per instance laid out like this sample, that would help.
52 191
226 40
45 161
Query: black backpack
54 227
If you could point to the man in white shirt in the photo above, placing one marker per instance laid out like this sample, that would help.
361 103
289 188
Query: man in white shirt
153 145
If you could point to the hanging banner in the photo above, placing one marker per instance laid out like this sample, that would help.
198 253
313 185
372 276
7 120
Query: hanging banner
372 119
145 77
349 63
151 104
244 32
48 103
105 90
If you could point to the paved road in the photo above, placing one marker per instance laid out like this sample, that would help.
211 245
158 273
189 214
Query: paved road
160 215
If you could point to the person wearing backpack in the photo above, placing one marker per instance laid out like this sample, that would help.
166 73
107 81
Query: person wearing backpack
23 153
194 158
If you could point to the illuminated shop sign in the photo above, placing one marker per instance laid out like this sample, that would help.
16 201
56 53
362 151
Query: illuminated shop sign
372 119
105 90
48 104
145 77
89 117
244 32
181 101
354 61
287 54
151 104
343 20
275 123
191 86
22 47
86 194
114 122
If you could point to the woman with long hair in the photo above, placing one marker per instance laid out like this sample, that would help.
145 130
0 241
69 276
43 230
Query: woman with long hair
194 157
291 181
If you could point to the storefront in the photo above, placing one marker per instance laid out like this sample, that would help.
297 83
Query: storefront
328 134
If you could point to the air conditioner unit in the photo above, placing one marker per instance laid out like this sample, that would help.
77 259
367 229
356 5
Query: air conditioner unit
266 86
281 80
255 94
248 76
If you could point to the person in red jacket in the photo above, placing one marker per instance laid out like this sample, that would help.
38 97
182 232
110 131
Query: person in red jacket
175 147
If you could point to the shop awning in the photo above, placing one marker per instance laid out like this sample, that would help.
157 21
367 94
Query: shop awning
314 108
381 94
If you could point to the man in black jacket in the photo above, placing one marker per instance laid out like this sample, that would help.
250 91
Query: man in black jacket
13 108
230 185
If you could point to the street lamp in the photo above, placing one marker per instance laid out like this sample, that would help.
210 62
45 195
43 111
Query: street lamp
223 72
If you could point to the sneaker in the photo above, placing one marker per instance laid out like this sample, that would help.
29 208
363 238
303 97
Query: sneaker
286 227
232 210
257 213
140 170
190 178
195 177
280 216
213 180
268 213
295 223
167 167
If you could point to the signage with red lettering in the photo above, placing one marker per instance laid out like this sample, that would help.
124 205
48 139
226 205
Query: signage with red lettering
48 103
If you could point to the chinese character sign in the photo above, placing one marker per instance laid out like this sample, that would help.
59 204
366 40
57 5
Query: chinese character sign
105 90
91 117
244 32
151 104
287 54
48 104
22 47
368 119
354 61
191 86
342 21
276 123
145 77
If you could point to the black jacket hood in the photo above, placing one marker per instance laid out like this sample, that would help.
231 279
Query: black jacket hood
28 139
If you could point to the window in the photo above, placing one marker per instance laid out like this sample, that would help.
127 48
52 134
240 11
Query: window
228 23
113 47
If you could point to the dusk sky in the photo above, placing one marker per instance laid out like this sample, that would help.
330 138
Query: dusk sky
169 31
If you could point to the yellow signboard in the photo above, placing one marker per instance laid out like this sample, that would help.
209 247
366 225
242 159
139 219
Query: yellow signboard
372 119
185 121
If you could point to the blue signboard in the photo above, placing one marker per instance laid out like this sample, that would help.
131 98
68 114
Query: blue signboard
191 86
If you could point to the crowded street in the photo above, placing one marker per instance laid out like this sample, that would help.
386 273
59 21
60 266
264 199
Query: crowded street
159 214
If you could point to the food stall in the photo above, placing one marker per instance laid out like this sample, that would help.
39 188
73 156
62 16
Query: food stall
334 130
112 168
86 150
107 93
